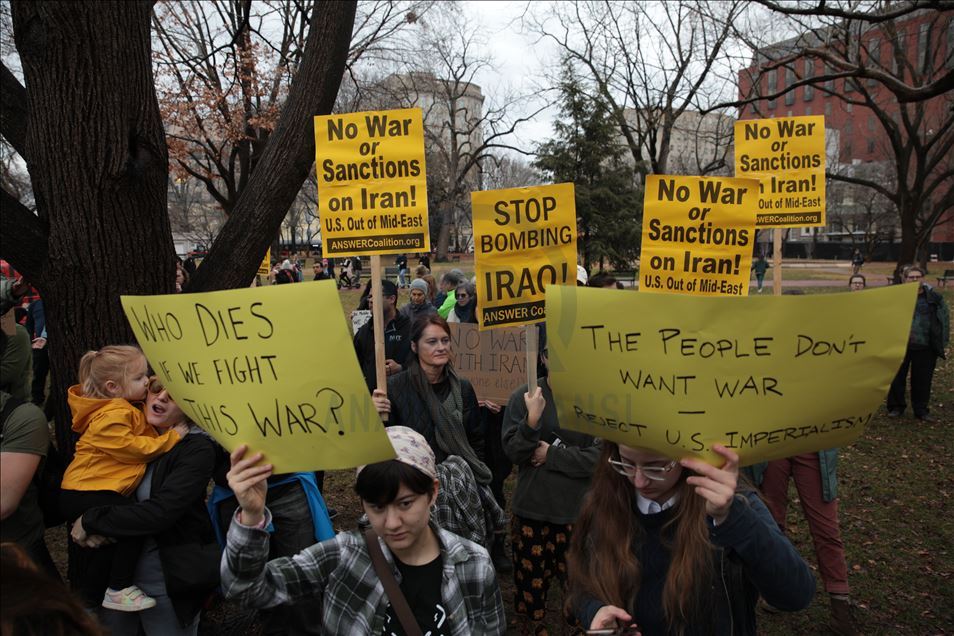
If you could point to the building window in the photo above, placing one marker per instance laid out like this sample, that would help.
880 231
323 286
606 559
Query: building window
950 44
809 73
772 83
789 80
827 109
830 84
808 110
849 127
848 106
871 123
924 38
898 53
871 146
849 85
874 57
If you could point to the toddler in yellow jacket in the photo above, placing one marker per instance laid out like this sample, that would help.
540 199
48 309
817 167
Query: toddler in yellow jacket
110 460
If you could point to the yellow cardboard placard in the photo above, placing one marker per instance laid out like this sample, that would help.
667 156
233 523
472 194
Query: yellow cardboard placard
524 241
788 155
372 190
247 368
767 377
265 267
697 235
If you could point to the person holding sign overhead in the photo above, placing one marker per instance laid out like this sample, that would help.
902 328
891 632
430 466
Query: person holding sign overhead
677 546
554 467
445 584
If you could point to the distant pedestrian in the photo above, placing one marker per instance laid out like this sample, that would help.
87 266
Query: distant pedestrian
930 332
760 266
401 262
857 260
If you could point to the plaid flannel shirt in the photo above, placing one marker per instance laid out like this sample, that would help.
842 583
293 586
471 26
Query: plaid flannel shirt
463 506
340 572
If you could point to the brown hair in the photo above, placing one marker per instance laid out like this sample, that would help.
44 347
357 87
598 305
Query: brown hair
109 363
33 602
603 558
431 287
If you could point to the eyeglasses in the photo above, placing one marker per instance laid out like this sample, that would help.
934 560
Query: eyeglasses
654 473
155 386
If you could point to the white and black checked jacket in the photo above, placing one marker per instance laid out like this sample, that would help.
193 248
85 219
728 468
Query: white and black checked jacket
339 571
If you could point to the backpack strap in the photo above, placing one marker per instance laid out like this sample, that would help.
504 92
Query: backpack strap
391 587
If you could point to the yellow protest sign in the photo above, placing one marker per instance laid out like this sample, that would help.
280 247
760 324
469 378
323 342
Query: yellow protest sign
265 267
788 155
372 191
524 241
767 377
247 368
697 235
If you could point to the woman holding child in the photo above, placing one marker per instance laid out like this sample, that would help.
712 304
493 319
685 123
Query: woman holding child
178 564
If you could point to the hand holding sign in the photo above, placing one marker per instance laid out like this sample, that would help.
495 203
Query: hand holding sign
766 377
243 365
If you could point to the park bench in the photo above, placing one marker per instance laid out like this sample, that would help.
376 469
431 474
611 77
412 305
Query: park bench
948 275
391 272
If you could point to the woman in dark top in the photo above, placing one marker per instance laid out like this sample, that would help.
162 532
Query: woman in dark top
432 399
677 547
180 561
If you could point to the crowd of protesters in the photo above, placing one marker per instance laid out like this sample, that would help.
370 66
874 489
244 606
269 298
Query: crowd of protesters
636 541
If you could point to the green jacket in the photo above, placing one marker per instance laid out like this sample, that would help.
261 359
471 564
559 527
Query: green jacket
827 464
449 302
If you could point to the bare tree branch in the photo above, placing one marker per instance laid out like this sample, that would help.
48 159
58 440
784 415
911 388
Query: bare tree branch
14 117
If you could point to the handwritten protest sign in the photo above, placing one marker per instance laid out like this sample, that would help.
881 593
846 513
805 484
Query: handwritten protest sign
247 369
767 377
494 361
524 241
697 235
372 190
788 155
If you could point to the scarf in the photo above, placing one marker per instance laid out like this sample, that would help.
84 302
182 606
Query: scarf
448 418
467 313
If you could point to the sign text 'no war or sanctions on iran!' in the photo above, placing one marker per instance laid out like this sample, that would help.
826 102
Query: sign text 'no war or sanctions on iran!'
524 241
697 235
787 154
372 188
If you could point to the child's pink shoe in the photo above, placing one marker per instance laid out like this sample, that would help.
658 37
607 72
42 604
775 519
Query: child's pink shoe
129 599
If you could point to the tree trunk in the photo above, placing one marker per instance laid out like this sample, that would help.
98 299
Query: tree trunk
909 243
447 226
97 158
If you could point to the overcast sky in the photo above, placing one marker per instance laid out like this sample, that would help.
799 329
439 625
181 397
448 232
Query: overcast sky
520 61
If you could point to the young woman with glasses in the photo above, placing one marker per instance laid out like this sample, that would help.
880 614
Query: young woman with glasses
678 547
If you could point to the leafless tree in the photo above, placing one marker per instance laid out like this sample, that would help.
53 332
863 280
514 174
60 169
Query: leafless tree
224 68
891 60
103 203
463 124
650 61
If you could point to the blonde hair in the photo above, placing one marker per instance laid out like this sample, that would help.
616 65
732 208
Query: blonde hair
96 368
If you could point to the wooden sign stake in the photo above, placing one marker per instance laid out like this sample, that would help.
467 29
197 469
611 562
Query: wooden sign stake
531 331
777 261
377 317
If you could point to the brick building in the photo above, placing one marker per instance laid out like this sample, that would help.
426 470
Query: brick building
858 144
